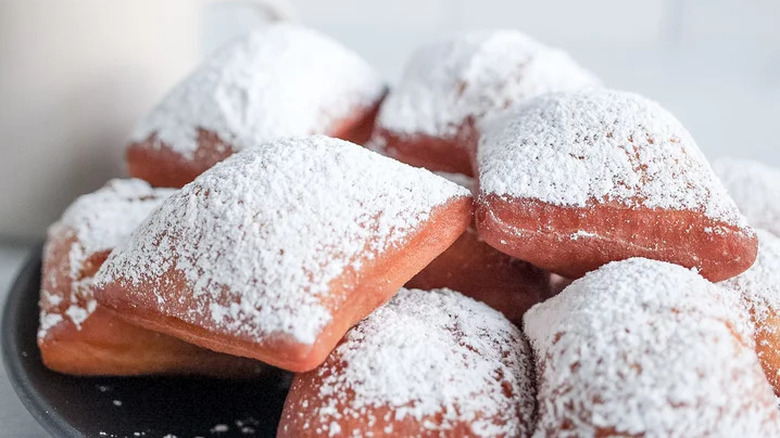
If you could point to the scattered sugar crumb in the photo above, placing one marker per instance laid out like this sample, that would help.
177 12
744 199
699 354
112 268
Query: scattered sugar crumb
334 429
581 233
220 428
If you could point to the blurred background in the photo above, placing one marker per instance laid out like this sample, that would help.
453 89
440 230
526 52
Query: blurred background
76 74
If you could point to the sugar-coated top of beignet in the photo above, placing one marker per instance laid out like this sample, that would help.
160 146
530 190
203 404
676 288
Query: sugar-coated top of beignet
471 75
427 362
643 347
755 188
93 224
260 237
600 146
281 81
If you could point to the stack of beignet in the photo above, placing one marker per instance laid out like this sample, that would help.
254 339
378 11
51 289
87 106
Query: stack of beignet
584 218
78 335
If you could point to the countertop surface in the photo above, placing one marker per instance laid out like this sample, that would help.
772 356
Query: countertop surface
15 421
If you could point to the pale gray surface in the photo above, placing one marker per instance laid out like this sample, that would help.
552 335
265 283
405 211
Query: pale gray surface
15 421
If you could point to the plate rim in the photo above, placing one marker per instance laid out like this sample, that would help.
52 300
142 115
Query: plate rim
41 410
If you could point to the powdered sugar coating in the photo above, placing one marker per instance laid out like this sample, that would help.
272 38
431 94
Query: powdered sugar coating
260 236
96 222
575 149
285 80
473 75
759 286
428 355
460 179
648 348
755 188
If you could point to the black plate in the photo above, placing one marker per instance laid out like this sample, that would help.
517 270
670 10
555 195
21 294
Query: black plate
128 407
